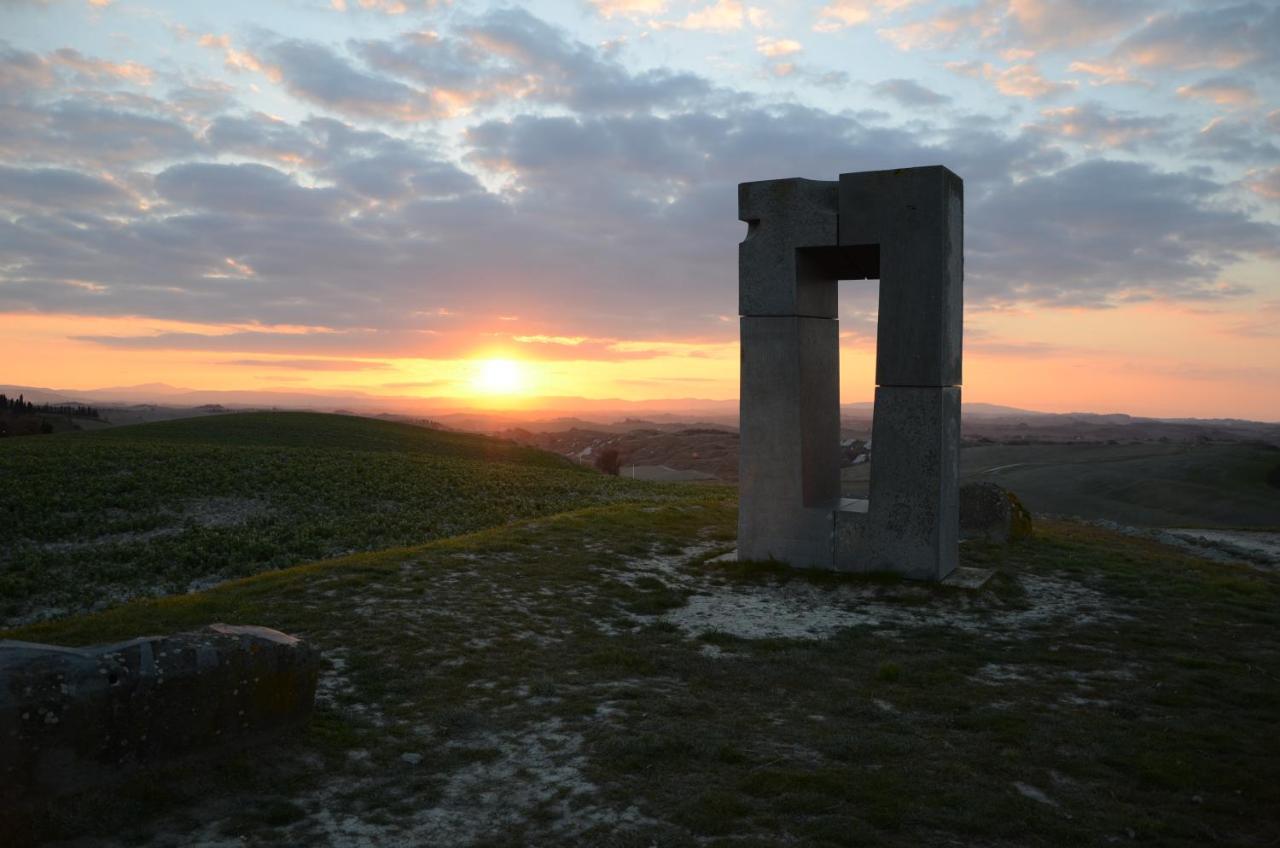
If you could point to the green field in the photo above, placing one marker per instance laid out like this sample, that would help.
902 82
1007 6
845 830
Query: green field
1152 484
91 519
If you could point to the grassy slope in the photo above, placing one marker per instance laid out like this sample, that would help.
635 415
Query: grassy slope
1152 484
93 518
1100 689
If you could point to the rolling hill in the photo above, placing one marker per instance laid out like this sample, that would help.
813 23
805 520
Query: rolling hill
92 519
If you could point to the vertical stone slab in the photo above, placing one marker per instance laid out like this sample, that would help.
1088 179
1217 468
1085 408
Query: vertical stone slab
916 216
789 465
783 217
913 520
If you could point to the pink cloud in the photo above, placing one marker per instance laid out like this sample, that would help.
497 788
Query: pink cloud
1222 91
719 16
629 8
1265 183
1024 80
237 60
776 48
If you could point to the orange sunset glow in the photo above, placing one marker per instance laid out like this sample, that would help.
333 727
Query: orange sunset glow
552 218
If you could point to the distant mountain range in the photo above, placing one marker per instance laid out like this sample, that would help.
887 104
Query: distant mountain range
473 415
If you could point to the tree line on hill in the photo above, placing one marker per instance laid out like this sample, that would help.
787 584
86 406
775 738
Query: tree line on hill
21 417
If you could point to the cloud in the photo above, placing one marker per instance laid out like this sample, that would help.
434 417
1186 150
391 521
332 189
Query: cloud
1024 80
1101 72
96 70
592 198
461 344
840 14
1240 141
1044 25
312 364
1225 38
237 60
249 190
386 7
510 55
1018 29
946 28
87 129
774 48
1222 90
260 136
22 70
628 8
909 93
1105 232
56 188
318 74
1096 127
718 16
1265 183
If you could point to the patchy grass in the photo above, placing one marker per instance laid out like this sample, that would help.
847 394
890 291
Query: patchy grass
91 519
557 690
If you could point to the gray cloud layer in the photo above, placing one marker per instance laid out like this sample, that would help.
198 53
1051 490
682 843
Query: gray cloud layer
616 214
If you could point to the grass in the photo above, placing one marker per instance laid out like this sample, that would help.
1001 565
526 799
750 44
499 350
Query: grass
90 519
1100 689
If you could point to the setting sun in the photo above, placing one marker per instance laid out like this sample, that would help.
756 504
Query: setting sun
499 377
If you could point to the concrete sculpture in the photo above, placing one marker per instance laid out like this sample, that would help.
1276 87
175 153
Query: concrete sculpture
906 228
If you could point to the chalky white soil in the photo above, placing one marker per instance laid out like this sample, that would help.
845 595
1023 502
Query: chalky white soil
799 610
535 773
1258 547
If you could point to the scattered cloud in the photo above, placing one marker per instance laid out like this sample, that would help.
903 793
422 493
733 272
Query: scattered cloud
909 93
717 16
1096 127
1265 183
840 14
236 60
629 8
57 188
386 7
1239 141
1063 237
1222 90
774 48
1220 37
1023 81
97 70
1102 72
311 364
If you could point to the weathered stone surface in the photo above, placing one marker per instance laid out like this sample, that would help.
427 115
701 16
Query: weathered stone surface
913 518
73 718
916 217
774 276
850 532
992 513
905 227
789 465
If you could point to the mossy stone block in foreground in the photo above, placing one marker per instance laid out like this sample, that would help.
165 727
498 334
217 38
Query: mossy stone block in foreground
73 718
992 513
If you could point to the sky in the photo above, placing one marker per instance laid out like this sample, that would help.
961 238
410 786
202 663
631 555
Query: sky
496 201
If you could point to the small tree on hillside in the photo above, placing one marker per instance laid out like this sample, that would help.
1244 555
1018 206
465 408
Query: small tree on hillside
609 461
